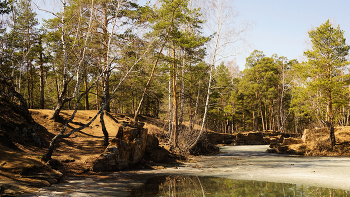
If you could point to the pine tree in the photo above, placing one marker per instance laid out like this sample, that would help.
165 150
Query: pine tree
5 6
168 18
325 60
24 37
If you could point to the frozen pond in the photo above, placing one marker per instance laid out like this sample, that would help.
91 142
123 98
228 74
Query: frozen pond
236 163
184 186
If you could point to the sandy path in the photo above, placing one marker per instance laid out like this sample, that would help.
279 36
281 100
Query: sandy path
238 162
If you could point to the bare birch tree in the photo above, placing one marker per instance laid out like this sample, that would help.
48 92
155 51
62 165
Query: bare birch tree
78 67
225 42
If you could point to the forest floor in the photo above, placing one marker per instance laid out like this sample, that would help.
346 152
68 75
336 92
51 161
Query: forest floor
74 155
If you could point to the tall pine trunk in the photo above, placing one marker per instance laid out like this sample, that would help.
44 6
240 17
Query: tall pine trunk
42 81
28 87
279 108
176 134
31 86
97 96
330 119
87 94
182 102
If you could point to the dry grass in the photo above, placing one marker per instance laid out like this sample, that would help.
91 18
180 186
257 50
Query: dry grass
317 142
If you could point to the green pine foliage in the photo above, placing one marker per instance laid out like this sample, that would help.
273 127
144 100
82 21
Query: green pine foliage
271 93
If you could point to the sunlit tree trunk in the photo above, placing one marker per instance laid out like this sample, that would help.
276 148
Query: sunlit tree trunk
87 107
42 81
175 98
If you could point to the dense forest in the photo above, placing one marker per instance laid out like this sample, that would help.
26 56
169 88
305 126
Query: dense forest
170 60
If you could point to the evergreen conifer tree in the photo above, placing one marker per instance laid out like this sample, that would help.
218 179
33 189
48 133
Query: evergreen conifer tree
325 60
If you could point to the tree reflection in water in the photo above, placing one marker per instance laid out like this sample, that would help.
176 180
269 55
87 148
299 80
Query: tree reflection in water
185 186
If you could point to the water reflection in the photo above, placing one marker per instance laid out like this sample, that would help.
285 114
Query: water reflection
184 186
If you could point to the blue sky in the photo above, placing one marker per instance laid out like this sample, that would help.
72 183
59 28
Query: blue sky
281 26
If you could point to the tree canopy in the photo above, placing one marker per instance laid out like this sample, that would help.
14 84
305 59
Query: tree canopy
155 60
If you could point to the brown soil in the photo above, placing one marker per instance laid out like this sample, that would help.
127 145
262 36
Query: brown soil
21 168
320 145
316 142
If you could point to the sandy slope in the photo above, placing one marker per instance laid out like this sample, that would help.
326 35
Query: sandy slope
75 154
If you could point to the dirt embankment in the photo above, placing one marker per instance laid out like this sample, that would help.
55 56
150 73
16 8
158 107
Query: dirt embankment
315 142
23 144
249 138
21 149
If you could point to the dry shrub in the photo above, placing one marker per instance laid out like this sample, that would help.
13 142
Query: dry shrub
187 137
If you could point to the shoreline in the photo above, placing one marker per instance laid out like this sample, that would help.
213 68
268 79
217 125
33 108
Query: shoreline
235 162
250 163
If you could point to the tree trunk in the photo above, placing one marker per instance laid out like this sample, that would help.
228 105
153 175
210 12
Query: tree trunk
48 155
182 91
170 111
330 119
175 98
347 118
28 87
97 97
279 108
271 114
106 97
133 101
262 120
295 124
61 101
243 111
257 114
28 70
105 78
206 103
42 81
105 90
31 86
104 130
87 94
262 116
105 103
197 103
190 110
233 124
266 117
